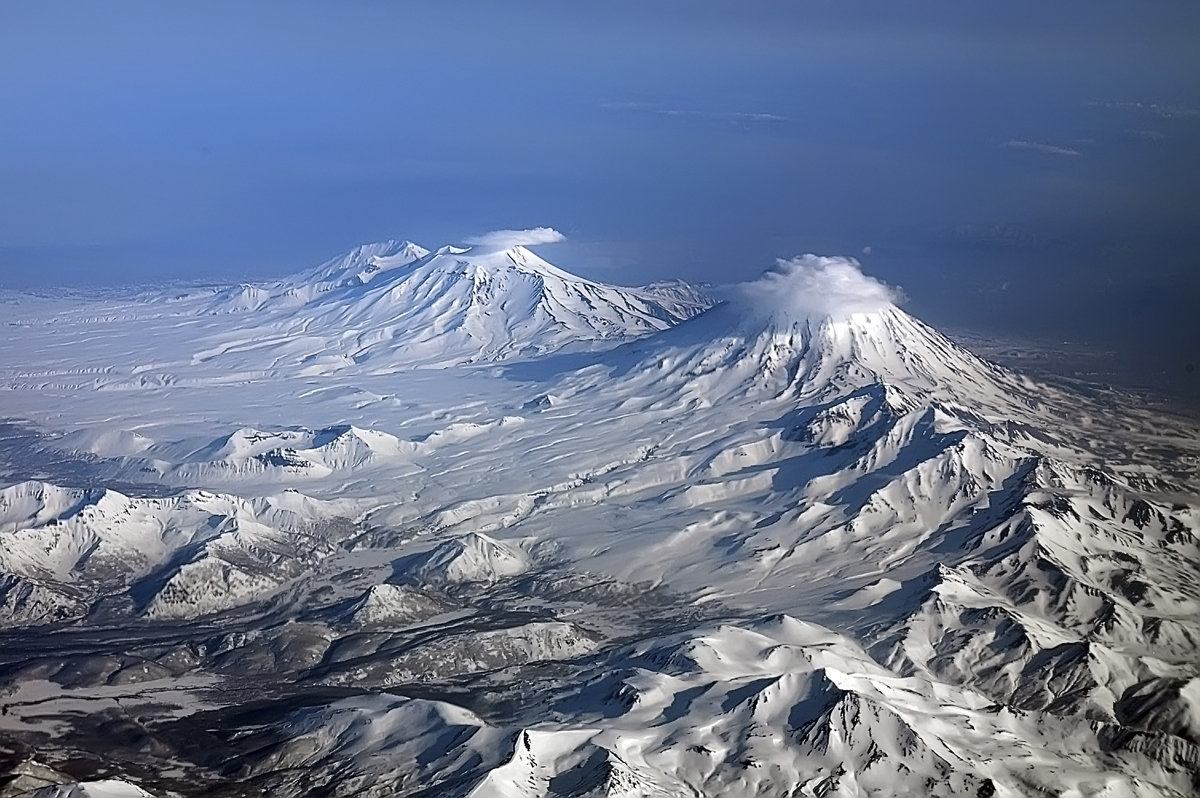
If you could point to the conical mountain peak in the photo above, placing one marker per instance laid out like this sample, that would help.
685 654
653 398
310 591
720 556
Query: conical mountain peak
812 327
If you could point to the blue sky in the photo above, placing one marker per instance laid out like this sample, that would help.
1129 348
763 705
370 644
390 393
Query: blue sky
1029 168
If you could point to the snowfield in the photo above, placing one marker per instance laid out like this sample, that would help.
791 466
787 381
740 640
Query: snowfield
459 523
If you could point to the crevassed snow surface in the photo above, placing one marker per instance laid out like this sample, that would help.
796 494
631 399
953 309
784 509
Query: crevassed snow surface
457 522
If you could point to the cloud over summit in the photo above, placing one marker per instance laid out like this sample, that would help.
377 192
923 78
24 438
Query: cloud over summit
811 286
506 239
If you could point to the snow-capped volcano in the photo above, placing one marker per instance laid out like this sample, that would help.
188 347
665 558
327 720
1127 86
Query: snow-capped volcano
767 339
478 305
396 304
814 356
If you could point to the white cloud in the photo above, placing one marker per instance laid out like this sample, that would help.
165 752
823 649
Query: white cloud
506 239
814 286
1037 146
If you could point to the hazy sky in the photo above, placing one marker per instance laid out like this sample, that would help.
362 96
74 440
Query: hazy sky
1025 167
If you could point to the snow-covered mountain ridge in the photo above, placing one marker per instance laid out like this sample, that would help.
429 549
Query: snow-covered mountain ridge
799 543
398 303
